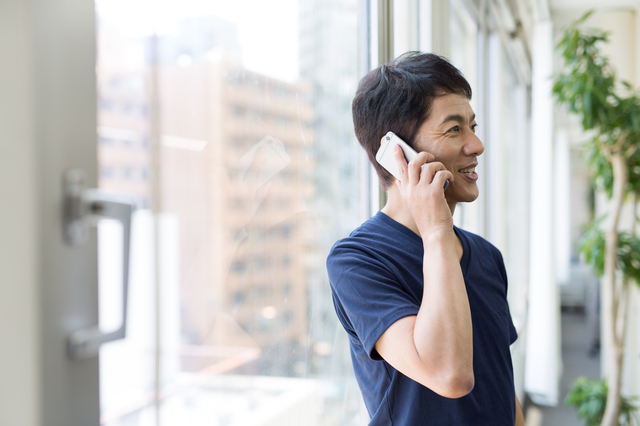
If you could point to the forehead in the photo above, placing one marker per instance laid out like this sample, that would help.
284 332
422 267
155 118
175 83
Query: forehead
451 104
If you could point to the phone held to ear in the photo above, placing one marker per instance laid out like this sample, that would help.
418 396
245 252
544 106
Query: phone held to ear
275 159
385 157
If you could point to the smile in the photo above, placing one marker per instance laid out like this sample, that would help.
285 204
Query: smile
469 173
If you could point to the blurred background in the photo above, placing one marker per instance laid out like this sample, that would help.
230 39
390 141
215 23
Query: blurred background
229 124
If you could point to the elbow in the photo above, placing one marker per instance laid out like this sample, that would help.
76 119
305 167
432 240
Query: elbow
457 384
461 386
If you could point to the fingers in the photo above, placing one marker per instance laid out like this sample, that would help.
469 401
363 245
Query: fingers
422 166
411 171
436 173
400 161
279 142
255 167
417 166
442 178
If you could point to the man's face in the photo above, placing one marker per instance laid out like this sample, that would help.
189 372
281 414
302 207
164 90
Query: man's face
449 134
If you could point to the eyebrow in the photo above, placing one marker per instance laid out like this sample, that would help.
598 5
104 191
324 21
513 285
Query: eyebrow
456 117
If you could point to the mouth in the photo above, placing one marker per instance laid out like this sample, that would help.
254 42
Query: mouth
469 172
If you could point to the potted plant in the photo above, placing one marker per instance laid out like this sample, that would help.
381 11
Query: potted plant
609 110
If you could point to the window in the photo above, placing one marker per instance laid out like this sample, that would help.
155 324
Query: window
231 320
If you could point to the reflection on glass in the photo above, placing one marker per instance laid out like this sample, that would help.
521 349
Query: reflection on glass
256 176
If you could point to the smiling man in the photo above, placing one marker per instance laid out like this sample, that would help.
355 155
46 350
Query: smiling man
424 302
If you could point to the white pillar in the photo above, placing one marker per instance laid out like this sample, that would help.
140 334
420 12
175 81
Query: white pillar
495 148
519 261
562 206
543 358
632 386
631 363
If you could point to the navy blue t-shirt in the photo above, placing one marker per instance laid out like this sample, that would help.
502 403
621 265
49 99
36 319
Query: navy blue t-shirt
376 279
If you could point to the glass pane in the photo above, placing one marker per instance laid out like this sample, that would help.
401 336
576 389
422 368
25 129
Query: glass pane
256 175
127 367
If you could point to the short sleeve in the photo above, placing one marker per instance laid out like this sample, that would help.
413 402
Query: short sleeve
368 295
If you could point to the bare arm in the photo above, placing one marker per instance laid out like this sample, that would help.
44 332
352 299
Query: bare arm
519 415
435 347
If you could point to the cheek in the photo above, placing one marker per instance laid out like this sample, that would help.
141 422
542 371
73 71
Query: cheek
448 162
444 156
442 150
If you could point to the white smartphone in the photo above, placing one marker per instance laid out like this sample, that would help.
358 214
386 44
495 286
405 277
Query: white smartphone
385 157
275 159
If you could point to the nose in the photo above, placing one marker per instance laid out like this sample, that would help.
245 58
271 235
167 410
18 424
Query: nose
473 145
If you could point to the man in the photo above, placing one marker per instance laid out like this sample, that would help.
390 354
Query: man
424 302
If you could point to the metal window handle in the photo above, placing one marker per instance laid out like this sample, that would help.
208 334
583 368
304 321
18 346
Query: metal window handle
83 208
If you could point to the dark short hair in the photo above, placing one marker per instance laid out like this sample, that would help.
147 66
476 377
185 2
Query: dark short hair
397 97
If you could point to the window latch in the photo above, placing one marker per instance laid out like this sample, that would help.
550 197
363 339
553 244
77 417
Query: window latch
83 207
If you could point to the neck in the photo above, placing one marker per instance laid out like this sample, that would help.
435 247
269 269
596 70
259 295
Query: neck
397 210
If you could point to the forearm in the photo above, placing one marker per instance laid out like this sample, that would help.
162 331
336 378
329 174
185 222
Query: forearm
443 331
519 414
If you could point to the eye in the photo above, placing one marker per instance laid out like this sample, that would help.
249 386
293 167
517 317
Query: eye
454 129
474 127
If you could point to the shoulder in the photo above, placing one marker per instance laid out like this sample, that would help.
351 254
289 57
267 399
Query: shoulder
483 254
380 254
362 236
480 244
362 245
374 275
379 234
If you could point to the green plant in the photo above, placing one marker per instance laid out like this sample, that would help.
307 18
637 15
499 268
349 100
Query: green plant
609 109
589 398
592 244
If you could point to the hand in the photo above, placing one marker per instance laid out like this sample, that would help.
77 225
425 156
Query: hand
421 186
245 184
259 205
250 186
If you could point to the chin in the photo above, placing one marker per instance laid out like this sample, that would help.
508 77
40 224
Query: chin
472 197
466 197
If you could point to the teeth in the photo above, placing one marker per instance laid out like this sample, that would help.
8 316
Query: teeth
468 171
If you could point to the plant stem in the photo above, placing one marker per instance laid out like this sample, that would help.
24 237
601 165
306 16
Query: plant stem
610 298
